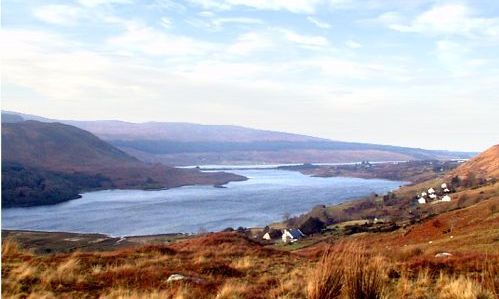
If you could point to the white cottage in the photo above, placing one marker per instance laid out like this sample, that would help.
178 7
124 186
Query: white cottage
421 200
272 234
292 235
431 191
446 190
446 198
423 194
433 196
444 186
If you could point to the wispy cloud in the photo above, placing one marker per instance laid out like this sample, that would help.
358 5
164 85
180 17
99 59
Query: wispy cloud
296 6
318 23
95 3
304 40
259 63
353 44
456 19
58 14
214 23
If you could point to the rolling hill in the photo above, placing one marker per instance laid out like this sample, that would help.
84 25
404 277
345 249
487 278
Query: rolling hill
485 165
194 144
58 147
46 163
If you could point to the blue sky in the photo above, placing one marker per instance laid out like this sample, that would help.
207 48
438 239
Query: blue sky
419 73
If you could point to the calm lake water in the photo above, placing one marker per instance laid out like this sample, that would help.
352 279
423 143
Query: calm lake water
264 198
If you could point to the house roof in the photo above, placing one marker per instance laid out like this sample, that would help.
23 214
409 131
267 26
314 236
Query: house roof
295 233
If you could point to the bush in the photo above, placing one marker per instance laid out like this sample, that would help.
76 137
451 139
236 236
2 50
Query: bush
348 272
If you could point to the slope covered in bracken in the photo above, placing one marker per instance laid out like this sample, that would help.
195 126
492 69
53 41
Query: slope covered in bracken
485 165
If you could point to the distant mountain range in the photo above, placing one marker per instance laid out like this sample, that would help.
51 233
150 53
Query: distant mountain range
46 163
193 144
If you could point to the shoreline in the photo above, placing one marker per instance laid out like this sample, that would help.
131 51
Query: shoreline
46 242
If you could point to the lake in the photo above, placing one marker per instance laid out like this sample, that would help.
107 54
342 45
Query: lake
263 199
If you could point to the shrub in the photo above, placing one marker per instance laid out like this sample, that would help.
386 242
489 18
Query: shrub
365 277
348 272
326 279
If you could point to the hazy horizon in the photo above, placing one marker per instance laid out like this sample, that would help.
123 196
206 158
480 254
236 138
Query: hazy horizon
422 74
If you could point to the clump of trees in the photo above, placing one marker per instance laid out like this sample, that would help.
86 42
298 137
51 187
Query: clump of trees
23 187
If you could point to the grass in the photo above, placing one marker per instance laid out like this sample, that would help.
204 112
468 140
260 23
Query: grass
236 267
399 264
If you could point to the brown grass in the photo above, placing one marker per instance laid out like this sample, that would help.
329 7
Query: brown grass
235 267
327 278
348 271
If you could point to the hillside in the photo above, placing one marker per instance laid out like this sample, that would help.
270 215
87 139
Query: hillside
485 165
44 163
58 147
194 144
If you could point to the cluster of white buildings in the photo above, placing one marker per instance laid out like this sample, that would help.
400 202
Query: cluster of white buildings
287 235
431 195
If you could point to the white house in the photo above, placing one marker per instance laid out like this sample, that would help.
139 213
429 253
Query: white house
446 198
444 186
292 235
433 196
272 235
431 191
446 190
421 200
423 194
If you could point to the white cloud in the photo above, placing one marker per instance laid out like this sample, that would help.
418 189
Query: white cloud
295 6
304 40
262 76
58 14
94 3
166 22
318 23
149 41
213 23
251 43
448 18
353 44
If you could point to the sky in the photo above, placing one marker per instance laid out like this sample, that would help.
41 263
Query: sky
419 73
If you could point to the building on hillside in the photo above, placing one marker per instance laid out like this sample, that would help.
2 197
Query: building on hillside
433 196
446 190
292 235
446 198
272 234
431 191
444 186
421 200
423 194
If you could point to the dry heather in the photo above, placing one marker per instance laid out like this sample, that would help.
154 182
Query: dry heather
228 265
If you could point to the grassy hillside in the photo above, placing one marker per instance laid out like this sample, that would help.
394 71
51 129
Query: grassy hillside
57 146
485 165
45 163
